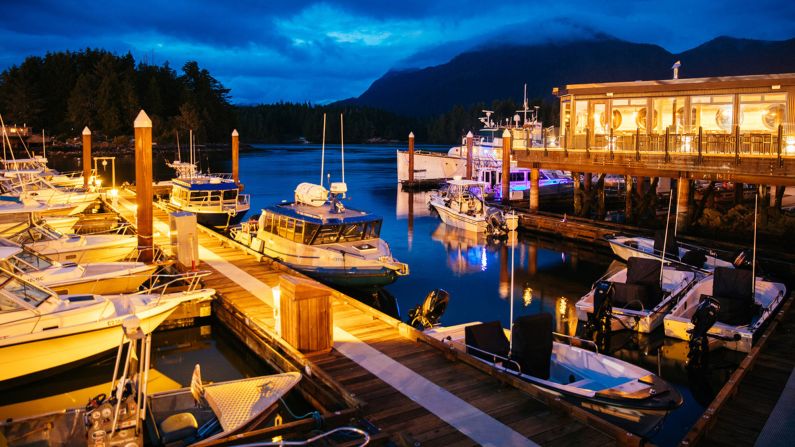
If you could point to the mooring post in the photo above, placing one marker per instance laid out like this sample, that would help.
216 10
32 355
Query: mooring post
577 193
143 185
506 166
470 144
411 158
236 157
533 190
86 156
682 204
628 198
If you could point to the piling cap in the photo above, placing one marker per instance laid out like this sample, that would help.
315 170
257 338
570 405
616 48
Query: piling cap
86 131
506 134
469 134
234 133
411 134
142 120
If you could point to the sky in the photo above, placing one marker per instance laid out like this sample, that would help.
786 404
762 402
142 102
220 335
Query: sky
322 51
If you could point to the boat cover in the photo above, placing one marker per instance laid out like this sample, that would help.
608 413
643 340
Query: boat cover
671 247
532 344
732 288
642 288
489 337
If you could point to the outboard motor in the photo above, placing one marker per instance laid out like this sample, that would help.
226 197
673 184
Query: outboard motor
598 326
742 260
428 314
496 222
705 316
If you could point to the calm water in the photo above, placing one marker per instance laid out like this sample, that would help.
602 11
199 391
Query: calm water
549 275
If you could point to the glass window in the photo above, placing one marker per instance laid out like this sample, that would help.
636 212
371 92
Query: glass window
628 116
762 113
517 177
298 236
373 230
327 234
713 113
29 262
668 113
580 116
230 194
352 232
309 232
7 304
24 291
599 118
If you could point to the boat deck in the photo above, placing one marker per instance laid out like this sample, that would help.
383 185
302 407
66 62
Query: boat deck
399 380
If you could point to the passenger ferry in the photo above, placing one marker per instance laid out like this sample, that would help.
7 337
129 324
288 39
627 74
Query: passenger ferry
317 235
214 198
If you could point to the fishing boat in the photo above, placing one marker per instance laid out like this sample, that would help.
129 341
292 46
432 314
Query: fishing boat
639 295
745 308
319 236
625 247
70 279
462 205
41 331
615 390
80 249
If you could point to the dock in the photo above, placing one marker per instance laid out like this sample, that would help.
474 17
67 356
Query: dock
413 388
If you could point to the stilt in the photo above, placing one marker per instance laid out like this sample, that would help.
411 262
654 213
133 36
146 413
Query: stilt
601 208
738 193
682 205
236 158
534 190
411 220
143 186
86 156
506 166
411 157
628 198
577 193
470 144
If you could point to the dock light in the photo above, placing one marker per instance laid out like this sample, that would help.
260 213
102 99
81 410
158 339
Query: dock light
113 192
527 296
562 305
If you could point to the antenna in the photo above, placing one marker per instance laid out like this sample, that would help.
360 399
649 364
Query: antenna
192 157
342 149
179 152
665 240
323 150
753 258
43 145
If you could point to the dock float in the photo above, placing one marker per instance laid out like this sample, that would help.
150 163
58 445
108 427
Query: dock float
411 387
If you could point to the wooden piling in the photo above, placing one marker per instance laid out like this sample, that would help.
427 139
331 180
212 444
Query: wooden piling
534 190
411 157
470 144
143 185
236 157
506 166
628 198
682 204
86 156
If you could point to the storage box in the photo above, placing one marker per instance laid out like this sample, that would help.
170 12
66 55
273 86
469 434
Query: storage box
184 238
306 320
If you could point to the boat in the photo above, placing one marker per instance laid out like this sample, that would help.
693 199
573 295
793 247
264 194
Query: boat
637 295
70 278
38 164
319 236
80 249
41 331
550 182
742 313
615 390
625 247
38 188
462 205
16 213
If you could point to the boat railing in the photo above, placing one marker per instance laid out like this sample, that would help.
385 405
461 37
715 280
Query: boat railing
454 344
121 229
577 342
179 282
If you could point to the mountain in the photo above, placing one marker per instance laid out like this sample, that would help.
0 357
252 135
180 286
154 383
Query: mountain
498 72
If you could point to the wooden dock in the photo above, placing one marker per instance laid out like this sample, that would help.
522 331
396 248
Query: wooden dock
411 387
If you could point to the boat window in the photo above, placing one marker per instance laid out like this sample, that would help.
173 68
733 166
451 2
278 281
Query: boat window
28 261
309 232
298 236
352 232
24 291
327 234
373 230
266 222
230 194
517 176
286 227
8 305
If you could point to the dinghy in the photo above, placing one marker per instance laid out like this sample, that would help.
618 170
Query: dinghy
626 247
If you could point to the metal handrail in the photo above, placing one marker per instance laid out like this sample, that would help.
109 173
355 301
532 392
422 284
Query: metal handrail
493 355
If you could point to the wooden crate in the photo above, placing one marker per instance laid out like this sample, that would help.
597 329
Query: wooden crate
305 314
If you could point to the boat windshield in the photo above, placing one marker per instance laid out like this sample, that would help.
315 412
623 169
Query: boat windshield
27 261
310 233
22 290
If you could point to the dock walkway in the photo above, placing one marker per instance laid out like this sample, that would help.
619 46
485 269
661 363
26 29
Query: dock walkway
403 386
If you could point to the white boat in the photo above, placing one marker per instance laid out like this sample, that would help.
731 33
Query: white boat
618 391
70 279
38 164
16 213
462 205
40 330
76 248
638 301
627 246
550 182
40 189
743 311
319 236
214 198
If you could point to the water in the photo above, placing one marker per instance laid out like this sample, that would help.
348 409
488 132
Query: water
549 275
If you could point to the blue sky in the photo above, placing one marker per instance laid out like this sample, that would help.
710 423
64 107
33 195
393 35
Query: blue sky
322 51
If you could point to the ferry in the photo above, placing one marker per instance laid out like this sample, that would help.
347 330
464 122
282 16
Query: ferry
214 198
317 235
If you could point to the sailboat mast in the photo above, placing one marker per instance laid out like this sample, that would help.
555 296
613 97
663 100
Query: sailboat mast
665 240
191 153
342 147
179 152
323 151
753 258
43 145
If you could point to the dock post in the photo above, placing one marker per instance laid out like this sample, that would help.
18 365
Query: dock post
506 166
470 144
411 158
143 186
628 198
236 157
577 193
86 156
682 204
737 145
533 190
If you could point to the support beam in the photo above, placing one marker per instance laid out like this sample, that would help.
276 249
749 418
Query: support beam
534 190
470 144
86 156
628 199
143 185
577 193
236 157
411 157
506 166
682 205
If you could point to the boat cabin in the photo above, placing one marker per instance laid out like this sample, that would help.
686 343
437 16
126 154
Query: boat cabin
20 259
205 193
310 225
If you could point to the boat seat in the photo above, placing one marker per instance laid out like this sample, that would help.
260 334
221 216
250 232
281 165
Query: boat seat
178 427
488 337
532 344
732 288
636 296
671 247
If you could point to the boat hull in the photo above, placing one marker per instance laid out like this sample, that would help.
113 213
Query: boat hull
121 282
219 219
465 222
83 254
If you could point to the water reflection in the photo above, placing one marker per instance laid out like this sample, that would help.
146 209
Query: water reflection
466 250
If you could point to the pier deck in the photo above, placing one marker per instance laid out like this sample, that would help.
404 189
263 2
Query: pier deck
401 383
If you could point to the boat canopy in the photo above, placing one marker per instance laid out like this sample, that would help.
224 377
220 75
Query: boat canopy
18 294
310 225
206 184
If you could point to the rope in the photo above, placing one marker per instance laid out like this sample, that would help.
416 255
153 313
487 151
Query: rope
313 414
358 431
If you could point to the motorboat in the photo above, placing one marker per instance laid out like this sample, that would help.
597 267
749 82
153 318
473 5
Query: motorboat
70 278
462 205
627 246
38 164
617 391
550 182
743 309
38 188
319 236
637 296
41 331
80 249
214 198
16 213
